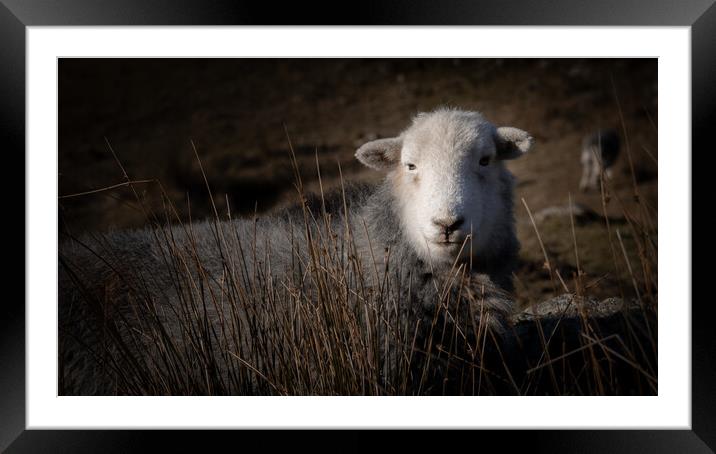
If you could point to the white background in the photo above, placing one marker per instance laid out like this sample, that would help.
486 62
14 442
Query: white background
670 409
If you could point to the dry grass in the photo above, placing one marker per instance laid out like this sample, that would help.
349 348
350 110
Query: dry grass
328 329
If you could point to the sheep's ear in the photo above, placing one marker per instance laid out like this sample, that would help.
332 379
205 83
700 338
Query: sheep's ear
512 143
380 154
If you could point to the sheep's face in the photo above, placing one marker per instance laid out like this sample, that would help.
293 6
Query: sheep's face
448 178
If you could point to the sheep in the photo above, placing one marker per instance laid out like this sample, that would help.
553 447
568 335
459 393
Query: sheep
599 153
443 208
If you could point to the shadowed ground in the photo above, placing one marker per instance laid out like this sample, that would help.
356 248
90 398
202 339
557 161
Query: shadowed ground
237 113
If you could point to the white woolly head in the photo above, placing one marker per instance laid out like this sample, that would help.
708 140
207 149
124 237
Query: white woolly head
448 178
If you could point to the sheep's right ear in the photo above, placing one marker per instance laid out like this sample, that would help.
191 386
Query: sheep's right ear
381 154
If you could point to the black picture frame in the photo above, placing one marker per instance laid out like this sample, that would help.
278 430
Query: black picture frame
16 15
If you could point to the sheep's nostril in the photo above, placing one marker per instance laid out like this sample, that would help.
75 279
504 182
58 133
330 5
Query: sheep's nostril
449 225
456 225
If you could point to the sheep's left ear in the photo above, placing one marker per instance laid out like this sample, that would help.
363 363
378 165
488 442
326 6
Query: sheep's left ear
512 143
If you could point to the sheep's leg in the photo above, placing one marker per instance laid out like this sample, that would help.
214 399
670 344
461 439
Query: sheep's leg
586 170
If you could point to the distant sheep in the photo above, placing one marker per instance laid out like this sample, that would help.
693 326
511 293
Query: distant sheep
599 152
446 201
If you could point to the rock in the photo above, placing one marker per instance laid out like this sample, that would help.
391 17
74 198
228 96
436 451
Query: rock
562 336
570 305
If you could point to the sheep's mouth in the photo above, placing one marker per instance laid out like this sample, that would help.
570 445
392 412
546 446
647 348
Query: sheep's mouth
450 243
454 241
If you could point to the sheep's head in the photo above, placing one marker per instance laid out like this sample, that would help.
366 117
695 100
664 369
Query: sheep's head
449 180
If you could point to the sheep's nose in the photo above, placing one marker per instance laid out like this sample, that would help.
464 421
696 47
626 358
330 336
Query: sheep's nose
448 225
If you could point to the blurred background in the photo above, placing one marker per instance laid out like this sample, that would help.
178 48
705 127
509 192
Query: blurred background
238 113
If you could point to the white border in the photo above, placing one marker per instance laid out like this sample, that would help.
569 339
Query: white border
670 409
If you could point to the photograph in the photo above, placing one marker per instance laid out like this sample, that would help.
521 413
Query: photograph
357 226
357 222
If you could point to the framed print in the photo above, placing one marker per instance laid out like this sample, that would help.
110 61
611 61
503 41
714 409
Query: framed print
433 218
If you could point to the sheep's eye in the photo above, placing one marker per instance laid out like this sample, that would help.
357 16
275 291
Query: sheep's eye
485 161
410 166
